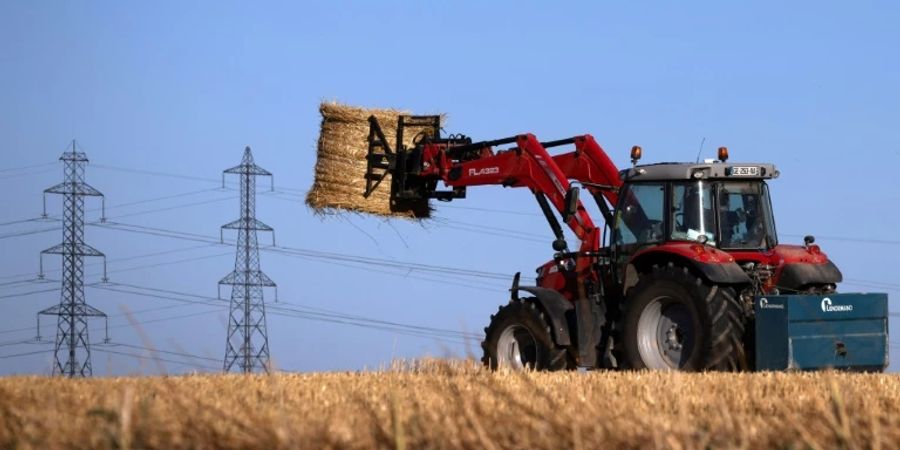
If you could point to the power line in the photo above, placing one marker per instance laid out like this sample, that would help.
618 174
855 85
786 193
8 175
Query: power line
30 280
154 358
153 354
165 352
492 233
129 258
540 237
23 294
165 197
168 263
311 310
870 286
315 254
219 308
492 210
280 309
862 282
169 208
447 279
16 222
140 311
161 174
26 174
475 228
22 354
19 342
848 239
181 176
32 166
282 195
138 202
27 233
293 311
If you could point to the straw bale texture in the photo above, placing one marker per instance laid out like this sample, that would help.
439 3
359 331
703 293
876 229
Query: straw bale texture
341 163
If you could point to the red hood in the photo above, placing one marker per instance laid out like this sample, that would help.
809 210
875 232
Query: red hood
784 254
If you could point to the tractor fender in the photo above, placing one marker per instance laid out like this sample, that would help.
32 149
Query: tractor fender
797 275
556 306
722 273
721 270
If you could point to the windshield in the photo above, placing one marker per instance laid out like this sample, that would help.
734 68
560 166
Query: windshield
745 217
742 208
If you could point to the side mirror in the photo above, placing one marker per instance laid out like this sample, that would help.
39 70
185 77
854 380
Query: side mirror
571 203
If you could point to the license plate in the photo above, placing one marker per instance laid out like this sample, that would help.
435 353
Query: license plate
738 171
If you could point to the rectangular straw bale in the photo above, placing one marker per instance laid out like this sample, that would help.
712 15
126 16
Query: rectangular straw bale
341 163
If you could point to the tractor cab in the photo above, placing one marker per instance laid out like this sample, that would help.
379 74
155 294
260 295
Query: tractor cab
715 217
714 204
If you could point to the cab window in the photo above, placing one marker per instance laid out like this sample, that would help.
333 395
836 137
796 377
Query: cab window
744 216
639 218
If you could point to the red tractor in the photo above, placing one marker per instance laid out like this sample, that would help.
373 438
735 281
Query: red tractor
691 255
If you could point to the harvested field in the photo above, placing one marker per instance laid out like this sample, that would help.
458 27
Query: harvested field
340 169
450 406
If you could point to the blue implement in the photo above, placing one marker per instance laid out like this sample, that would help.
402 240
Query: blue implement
812 332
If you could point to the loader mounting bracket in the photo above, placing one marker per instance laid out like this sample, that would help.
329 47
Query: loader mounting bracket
399 162
409 185
380 159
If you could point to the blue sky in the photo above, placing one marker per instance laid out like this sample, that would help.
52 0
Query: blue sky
181 87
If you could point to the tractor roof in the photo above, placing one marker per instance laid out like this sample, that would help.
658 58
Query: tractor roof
715 170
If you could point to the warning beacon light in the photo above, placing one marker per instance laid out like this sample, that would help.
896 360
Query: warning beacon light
723 154
635 154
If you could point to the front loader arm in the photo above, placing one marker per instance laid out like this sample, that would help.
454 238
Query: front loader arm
460 163
528 165
591 165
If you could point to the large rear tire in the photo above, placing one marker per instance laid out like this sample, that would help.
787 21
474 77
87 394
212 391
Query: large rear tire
519 338
675 321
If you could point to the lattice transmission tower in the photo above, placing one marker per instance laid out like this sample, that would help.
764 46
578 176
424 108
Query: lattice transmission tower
247 343
72 350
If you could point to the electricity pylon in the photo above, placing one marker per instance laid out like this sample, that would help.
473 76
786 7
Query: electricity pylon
72 350
247 343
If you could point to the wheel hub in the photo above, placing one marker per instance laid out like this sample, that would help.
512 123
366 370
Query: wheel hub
665 334
674 338
516 348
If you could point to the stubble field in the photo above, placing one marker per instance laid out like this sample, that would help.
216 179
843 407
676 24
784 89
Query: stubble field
453 405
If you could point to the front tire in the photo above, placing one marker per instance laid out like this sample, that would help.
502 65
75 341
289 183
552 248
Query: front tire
675 321
519 338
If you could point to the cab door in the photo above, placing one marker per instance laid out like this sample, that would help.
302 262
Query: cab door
639 221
